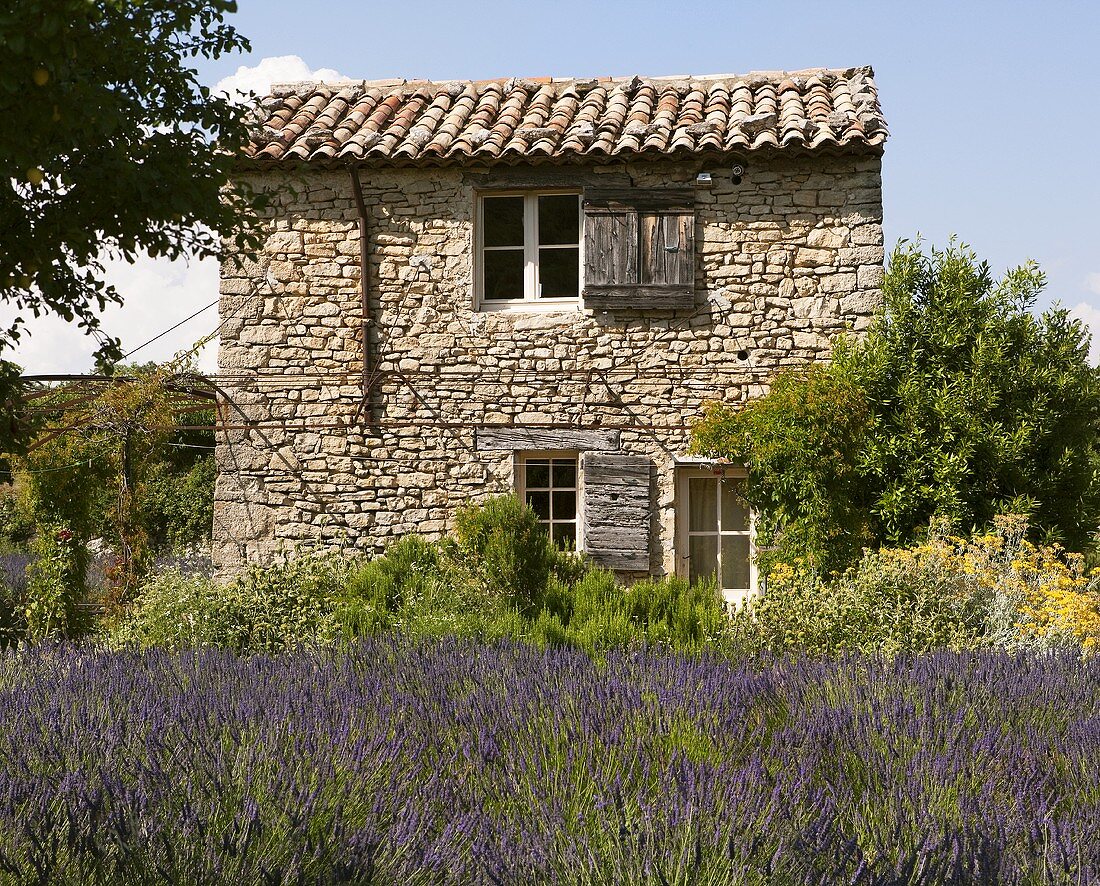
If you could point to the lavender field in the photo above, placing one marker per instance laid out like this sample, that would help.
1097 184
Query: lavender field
454 762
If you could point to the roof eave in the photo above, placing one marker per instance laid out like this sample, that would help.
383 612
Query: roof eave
867 148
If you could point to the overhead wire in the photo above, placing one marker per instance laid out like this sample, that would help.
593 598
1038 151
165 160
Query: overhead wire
170 329
86 462
715 380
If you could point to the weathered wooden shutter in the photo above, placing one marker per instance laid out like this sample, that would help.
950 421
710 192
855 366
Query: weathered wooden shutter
639 249
616 510
610 248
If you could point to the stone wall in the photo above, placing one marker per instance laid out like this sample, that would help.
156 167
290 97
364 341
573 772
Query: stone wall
786 259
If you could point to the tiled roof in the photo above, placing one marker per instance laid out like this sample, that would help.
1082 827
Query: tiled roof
398 122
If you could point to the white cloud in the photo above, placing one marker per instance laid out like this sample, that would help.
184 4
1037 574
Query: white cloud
1090 316
1092 283
274 69
157 294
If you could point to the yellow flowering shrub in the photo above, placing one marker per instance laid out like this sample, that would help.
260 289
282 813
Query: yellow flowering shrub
991 590
1054 600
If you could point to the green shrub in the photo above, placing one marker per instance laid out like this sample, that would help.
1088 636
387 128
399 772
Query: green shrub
667 611
504 547
440 611
498 578
606 629
893 601
55 583
176 611
501 578
991 590
677 613
404 572
406 586
546 630
266 610
595 592
597 613
568 567
16 524
178 503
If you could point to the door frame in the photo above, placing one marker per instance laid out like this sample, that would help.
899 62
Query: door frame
685 471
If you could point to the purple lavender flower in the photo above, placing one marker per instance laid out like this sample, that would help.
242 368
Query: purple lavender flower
453 762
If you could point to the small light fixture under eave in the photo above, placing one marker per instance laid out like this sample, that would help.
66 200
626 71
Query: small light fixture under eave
704 180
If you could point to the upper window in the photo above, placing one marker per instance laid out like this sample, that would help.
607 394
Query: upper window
530 248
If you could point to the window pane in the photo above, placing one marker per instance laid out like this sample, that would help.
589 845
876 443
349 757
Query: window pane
538 473
565 535
559 273
735 562
540 504
565 473
735 515
504 274
503 217
703 557
702 504
565 505
559 219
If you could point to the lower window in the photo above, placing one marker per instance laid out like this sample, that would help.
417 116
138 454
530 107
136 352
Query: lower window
548 483
715 532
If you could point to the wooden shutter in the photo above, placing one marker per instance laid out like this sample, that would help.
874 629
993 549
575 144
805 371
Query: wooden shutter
610 248
616 510
639 249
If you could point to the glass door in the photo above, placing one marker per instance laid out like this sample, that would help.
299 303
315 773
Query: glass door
716 532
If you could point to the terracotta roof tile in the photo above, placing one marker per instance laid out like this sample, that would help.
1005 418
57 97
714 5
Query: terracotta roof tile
398 122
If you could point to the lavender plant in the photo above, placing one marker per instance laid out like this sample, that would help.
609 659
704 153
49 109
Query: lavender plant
456 762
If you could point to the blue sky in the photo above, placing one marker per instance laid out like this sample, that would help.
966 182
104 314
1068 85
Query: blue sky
994 108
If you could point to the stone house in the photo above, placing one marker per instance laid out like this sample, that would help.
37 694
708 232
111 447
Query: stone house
469 288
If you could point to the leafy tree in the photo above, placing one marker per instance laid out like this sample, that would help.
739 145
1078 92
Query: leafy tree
800 442
16 426
176 499
128 472
959 403
118 149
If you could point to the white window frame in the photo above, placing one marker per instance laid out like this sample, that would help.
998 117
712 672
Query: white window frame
530 300
519 483
685 473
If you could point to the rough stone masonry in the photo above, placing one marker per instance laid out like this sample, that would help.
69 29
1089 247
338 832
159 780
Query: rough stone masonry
787 256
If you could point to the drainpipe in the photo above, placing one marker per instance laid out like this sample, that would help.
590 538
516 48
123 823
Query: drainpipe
366 407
